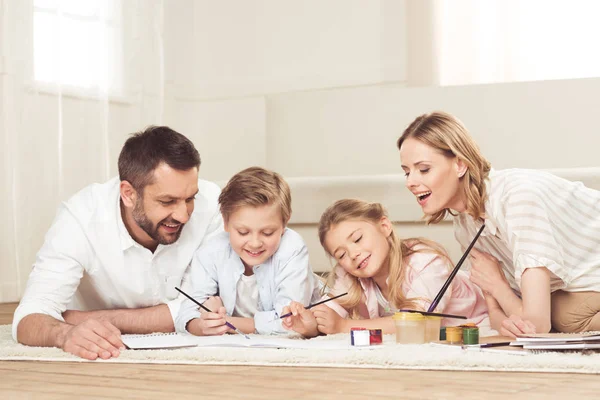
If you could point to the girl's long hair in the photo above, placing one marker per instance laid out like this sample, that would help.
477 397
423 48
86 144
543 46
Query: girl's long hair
400 250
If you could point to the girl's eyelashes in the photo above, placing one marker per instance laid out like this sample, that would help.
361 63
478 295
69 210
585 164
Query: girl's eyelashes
358 239
242 233
425 170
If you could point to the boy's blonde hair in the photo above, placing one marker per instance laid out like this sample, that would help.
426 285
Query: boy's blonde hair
255 187
353 209
448 135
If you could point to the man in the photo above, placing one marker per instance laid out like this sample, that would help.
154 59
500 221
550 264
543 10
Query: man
116 251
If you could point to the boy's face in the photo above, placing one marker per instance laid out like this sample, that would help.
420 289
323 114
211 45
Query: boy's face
255 233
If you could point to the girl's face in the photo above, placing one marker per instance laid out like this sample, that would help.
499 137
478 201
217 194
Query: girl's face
360 247
432 177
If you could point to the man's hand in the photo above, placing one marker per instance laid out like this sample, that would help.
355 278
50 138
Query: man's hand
209 323
302 320
92 339
329 321
486 272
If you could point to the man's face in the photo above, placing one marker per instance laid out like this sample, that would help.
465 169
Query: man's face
166 204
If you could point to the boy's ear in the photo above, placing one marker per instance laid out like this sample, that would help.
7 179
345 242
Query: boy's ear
386 226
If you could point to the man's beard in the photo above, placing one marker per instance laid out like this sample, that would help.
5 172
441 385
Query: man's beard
141 219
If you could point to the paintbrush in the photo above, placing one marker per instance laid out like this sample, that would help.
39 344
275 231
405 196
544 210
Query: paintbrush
230 325
437 299
316 304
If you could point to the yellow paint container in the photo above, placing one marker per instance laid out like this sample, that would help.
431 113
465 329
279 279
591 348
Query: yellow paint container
454 334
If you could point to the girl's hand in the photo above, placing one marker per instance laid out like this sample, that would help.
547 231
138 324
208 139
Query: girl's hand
302 320
209 323
515 326
486 272
329 321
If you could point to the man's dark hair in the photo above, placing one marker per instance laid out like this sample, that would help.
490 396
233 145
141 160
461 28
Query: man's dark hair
145 150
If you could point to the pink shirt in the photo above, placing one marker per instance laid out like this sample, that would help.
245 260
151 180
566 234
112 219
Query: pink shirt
425 276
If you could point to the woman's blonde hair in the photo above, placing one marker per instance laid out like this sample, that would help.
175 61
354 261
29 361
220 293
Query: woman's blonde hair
352 209
448 135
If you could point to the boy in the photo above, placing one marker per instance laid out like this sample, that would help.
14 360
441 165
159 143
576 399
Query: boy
257 266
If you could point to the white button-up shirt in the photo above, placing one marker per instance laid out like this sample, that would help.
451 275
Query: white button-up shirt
285 276
90 262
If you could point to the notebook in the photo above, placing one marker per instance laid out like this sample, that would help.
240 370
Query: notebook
158 341
177 340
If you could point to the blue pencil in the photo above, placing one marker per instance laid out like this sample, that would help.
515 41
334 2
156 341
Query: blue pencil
206 309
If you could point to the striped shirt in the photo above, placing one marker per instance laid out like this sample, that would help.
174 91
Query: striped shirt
536 219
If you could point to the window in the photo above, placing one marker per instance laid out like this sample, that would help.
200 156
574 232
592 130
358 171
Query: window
514 40
77 43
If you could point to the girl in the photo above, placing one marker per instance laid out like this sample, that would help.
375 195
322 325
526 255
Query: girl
381 273
537 260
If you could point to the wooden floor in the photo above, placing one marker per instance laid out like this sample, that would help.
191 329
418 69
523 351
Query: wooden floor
61 380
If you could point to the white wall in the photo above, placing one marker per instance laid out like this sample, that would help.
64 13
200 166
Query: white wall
316 90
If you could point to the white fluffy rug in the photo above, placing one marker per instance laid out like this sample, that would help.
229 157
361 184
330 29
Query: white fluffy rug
390 356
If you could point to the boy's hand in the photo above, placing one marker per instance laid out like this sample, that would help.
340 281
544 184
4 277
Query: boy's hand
212 303
329 321
209 323
302 320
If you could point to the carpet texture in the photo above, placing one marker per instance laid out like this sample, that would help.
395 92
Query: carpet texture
389 356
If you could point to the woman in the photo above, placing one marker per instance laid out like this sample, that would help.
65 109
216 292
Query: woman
538 258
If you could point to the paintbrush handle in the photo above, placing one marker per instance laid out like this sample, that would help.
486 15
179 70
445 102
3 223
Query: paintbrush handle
316 304
229 324
439 296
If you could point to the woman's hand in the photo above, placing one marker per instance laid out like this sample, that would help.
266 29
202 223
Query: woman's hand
516 326
486 272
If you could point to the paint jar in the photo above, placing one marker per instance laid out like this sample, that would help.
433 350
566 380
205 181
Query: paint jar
410 327
432 328
376 336
471 335
360 337
443 333
454 334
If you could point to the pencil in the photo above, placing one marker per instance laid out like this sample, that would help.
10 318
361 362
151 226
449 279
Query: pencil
206 309
316 304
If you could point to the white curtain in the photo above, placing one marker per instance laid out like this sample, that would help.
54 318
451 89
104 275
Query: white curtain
76 77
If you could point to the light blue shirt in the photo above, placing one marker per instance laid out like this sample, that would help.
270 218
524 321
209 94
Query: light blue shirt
285 277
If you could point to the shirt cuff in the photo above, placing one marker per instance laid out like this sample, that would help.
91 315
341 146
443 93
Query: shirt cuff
181 316
267 323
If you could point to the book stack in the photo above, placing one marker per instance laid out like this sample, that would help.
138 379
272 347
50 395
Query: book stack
559 341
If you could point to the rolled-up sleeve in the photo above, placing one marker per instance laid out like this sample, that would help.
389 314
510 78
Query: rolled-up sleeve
204 283
57 271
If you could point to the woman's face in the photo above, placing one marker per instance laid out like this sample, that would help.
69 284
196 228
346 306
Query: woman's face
432 177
